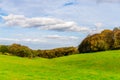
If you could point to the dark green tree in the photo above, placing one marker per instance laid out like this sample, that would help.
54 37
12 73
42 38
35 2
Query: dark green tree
4 48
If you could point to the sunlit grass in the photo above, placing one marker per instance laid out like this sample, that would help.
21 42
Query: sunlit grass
93 66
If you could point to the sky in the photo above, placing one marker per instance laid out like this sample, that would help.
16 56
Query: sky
48 24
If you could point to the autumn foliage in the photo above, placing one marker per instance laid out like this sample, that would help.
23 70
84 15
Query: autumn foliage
106 40
58 52
24 51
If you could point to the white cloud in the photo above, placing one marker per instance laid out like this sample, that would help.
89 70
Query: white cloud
8 39
61 37
22 40
44 38
97 29
98 25
43 23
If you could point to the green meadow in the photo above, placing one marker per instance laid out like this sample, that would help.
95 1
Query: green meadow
92 66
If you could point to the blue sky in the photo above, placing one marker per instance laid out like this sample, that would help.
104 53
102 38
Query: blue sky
46 24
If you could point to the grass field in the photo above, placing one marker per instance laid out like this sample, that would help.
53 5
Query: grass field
94 66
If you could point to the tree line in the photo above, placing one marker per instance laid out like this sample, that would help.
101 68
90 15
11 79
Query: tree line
106 40
24 51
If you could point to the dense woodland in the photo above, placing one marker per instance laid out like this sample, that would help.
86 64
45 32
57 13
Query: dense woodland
106 40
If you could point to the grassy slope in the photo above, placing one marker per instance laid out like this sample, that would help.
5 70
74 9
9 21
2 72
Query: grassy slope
99 66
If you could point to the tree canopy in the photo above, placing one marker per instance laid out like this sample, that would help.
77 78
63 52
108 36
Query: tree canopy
106 40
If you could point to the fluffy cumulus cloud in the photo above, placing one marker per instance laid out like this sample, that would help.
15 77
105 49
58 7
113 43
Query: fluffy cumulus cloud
42 23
